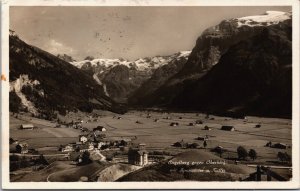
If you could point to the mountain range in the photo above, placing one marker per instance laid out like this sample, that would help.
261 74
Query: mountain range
242 66
120 77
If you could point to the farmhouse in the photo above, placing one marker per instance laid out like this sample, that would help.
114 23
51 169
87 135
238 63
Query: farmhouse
99 128
199 122
202 138
181 144
84 129
227 128
258 126
86 147
102 143
207 128
280 146
68 148
83 138
138 122
174 124
22 148
27 126
191 124
138 156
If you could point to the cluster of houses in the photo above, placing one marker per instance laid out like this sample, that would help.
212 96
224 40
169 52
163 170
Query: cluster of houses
18 147
96 140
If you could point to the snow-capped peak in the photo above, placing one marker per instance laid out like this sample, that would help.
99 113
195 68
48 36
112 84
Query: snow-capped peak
141 64
269 18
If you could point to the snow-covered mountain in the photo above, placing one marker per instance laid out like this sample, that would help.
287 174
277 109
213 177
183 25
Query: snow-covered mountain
142 64
121 77
241 65
267 19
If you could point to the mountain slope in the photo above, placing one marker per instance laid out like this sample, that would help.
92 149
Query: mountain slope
121 78
252 77
43 83
158 78
234 68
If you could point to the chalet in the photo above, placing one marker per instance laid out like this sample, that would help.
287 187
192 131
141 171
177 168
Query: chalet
156 120
68 148
84 129
125 142
181 144
280 146
99 129
22 148
193 145
27 126
86 147
12 141
258 126
227 128
138 156
100 144
11 32
199 122
83 138
174 124
191 124
205 138
207 128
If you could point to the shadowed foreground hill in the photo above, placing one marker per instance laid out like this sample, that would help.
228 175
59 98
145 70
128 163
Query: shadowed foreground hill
40 82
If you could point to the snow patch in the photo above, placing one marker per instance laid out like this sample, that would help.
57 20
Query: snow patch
269 18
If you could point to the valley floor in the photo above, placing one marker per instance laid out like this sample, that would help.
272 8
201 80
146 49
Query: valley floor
153 129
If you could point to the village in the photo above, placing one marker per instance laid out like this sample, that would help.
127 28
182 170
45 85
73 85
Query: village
143 139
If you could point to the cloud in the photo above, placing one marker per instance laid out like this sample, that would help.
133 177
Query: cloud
55 47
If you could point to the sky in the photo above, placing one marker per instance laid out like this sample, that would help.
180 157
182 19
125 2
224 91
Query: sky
120 32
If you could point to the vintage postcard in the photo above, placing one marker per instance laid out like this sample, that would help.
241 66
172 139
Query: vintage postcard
149 94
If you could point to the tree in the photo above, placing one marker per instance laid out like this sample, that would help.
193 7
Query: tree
42 160
242 152
283 156
77 149
204 144
252 154
219 150
86 157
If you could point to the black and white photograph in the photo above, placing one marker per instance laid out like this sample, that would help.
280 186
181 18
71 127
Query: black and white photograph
142 92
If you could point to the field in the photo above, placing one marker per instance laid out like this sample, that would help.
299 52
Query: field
159 135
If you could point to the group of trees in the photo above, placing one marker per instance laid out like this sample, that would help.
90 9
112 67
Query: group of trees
243 153
17 162
284 157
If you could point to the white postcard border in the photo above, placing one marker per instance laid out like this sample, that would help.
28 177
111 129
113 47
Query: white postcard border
6 184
